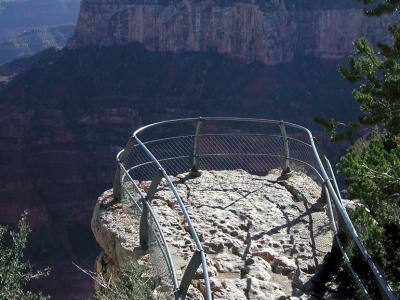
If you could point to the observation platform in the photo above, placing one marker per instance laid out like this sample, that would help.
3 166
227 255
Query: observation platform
164 176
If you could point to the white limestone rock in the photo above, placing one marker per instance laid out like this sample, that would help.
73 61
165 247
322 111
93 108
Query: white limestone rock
263 236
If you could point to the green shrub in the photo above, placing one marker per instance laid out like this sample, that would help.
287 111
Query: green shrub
131 284
15 271
372 174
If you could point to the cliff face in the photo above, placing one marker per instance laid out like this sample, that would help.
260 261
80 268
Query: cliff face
272 32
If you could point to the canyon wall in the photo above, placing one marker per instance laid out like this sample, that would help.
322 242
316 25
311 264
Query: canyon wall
68 112
272 32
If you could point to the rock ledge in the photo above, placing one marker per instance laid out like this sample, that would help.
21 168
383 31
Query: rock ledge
264 237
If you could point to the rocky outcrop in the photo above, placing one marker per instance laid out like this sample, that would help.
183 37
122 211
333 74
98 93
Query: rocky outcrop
272 32
264 237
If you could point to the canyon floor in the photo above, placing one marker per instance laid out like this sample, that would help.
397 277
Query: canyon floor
264 236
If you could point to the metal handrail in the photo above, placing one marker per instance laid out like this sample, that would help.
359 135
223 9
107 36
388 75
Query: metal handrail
193 232
383 285
333 195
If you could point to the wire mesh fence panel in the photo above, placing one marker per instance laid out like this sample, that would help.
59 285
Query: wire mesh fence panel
177 165
134 155
240 144
131 196
255 153
238 127
175 154
254 164
301 151
140 166
158 254
171 147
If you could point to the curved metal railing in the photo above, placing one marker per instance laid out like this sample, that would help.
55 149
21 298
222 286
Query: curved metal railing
154 153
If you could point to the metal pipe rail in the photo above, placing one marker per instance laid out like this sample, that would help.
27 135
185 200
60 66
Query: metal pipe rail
213 143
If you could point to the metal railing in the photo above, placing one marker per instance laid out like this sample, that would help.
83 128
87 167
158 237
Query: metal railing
155 153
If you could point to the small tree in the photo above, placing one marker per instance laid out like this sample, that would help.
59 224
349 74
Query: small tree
15 271
373 175
371 165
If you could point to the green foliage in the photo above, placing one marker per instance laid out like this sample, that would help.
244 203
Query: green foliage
15 271
373 176
371 165
332 126
379 7
379 74
131 284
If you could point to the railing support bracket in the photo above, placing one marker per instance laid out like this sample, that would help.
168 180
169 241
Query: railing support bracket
144 222
194 172
190 271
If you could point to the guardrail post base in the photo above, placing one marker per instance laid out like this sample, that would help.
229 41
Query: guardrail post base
194 173
117 185
190 271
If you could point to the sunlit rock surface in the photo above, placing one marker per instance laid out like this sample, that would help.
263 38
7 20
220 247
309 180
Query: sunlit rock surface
263 236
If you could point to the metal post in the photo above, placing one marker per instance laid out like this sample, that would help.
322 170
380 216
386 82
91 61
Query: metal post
117 188
286 164
332 221
144 222
117 184
195 155
190 271
144 226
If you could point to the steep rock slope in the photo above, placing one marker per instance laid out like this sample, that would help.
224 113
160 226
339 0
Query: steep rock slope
272 32
263 236
35 40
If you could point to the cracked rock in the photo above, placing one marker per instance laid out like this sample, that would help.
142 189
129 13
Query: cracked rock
263 235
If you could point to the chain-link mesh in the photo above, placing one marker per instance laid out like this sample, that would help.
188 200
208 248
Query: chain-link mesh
254 153
136 168
212 144
161 266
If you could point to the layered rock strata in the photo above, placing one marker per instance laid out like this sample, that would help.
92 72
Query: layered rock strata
264 237
272 32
